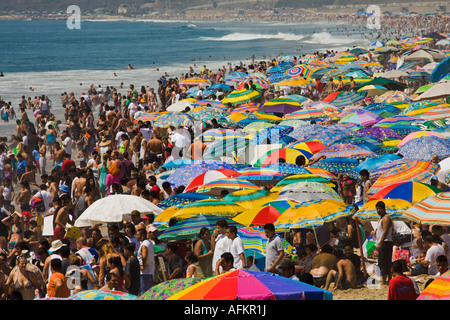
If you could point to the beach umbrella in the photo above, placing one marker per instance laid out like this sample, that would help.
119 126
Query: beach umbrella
250 107
344 150
280 106
207 114
258 216
286 168
297 98
195 82
380 133
217 86
249 199
190 228
438 289
312 213
393 96
410 191
147 117
373 90
293 123
175 119
373 163
186 173
236 76
272 134
215 187
241 96
440 70
377 44
209 103
182 199
418 134
168 288
344 166
277 77
398 120
439 90
294 82
260 175
225 147
322 173
424 148
252 285
406 171
300 178
102 295
209 176
362 117
300 70
394 208
302 192
255 127
115 208
436 113
308 145
434 210
219 134
305 114
255 240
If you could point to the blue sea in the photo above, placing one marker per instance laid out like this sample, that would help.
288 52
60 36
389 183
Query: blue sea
51 58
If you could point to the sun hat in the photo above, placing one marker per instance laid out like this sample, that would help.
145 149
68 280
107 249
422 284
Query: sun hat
105 142
56 245
64 188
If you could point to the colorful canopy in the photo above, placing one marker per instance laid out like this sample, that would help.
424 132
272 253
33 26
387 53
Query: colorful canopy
362 117
175 119
215 187
241 96
288 154
424 148
418 134
434 209
166 289
394 208
249 199
312 213
344 150
102 295
438 289
258 216
211 207
410 191
209 176
252 285
300 178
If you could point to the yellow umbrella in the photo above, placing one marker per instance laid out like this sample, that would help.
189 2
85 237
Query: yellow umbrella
217 207
294 82
167 214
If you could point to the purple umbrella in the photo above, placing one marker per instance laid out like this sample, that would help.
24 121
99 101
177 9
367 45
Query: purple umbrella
284 108
379 132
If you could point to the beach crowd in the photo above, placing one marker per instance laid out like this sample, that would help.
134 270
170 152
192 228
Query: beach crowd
59 167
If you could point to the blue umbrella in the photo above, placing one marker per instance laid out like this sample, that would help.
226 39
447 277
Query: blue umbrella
423 148
442 69
373 163
183 199
222 86
277 77
236 76
404 129
273 134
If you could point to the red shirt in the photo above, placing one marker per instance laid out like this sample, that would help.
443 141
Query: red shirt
401 288
67 164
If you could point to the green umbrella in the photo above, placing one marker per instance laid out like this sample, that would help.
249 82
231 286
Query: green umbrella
168 288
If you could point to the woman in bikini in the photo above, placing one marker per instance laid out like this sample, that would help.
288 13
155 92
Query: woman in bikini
23 279
202 250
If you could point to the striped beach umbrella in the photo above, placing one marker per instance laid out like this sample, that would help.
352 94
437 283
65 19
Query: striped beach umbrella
362 117
146 117
277 77
260 174
406 171
207 103
308 145
195 82
182 199
219 134
258 216
394 208
254 239
434 209
410 191
306 114
301 178
250 199
289 191
241 96
418 134
398 120
210 206
209 176
282 105
300 70
272 134
344 150
344 99
215 187
438 289
286 168
190 228
437 113
312 213
289 155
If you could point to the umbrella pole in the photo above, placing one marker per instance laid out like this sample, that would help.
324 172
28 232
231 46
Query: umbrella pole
315 235
361 252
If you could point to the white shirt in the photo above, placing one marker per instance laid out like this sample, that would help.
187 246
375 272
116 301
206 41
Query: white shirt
150 269
432 253
237 247
147 133
223 244
67 145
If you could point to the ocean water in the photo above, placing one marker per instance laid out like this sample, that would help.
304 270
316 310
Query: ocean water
52 59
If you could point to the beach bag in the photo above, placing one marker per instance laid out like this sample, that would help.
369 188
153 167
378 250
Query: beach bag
401 254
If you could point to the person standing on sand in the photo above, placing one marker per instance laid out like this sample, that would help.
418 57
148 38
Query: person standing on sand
400 286
384 241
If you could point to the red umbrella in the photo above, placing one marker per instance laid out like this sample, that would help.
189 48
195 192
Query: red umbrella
331 96
208 177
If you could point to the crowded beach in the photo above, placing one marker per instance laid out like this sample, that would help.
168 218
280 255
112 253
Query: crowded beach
321 176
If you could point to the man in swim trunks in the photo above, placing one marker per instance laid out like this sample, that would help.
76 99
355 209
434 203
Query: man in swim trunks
322 264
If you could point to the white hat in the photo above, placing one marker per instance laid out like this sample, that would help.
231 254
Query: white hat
56 245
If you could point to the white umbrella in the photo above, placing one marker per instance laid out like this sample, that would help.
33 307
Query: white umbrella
440 90
393 74
115 208
445 169
180 105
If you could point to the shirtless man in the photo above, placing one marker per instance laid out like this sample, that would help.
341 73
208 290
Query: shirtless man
79 184
345 276
323 263
155 145
62 218
58 156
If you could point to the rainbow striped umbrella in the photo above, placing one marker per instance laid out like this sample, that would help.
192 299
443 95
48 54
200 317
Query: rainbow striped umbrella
207 103
411 191
210 206
247 107
362 117
215 187
438 289
407 171
145 117
210 175
312 213
190 228
254 239
195 82
249 199
252 285
322 172
394 208
306 114
300 70
255 80
441 112
308 145
434 209
241 96
288 154
259 216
